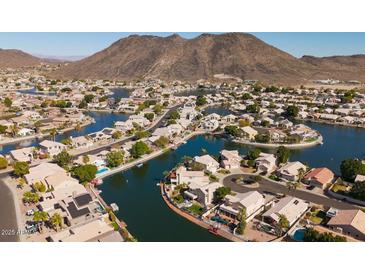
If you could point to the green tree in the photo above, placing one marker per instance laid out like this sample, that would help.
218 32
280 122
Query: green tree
149 116
254 108
83 104
243 123
253 154
40 217
220 193
292 111
174 115
85 173
157 109
114 158
358 191
8 102
30 197
21 168
311 235
242 222
3 129
89 98
201 100
282 225
262 138
39 187
283 154
350 168
232 130
117 135
142 134
246 96
162 142
63 159
3 163
56 221
139 148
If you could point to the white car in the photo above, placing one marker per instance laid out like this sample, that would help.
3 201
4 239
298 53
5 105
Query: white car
30 212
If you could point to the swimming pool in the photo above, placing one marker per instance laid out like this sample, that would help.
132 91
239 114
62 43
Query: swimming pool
102 170
298 235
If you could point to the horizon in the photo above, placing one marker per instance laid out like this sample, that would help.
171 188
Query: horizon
72 45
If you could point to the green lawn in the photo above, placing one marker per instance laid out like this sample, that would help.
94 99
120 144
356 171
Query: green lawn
339 187
196 209
317 217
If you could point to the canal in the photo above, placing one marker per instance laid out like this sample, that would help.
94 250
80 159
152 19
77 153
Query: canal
146 214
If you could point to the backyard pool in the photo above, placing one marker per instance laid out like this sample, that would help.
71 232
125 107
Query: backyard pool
102 170
298 235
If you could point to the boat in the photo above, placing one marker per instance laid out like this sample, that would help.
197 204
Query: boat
114 207
97 182
213 230
140 165
99 191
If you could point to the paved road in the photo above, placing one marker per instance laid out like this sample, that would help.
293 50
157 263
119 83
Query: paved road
8 219
269 186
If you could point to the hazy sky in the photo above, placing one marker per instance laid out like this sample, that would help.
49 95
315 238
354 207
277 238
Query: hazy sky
75 44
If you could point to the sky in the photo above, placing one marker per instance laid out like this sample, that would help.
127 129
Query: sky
86 43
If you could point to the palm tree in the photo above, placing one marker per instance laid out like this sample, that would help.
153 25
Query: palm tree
283 224
301 172
53 133
40 217
14 130
56 221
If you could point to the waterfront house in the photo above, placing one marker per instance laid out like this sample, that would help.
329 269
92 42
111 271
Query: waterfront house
80 142
319 177
22 155
202 193
266 163
349 222
52 148
208 161
187 176
124 125
290 207
253 202
249 133
210 125
291 171
230 159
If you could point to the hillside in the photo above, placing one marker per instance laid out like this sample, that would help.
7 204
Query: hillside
11 58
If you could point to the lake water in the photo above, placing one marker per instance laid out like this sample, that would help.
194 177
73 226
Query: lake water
149 218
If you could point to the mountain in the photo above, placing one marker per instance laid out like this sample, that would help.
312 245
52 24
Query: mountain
236 54
11 58
338 67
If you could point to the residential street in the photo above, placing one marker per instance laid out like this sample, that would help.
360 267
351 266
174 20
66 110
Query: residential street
266 185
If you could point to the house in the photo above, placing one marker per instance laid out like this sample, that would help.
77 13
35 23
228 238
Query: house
25 132
124 125
186 176
230 159
266 163
22 155
290 207
210 125
249 133
81 142
52 148
86 232
292 170
359 178
349 222
208 161
230 118
253 202
319 177
204 194
53 176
